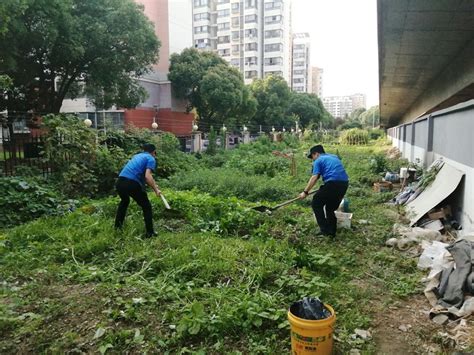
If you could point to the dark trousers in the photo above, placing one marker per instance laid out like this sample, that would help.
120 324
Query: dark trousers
330 196
127 188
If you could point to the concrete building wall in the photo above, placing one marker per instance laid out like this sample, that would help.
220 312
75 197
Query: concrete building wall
180 25
301 63
317 81
446 134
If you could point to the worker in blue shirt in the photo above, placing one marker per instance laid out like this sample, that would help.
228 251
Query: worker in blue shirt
131 183
329 195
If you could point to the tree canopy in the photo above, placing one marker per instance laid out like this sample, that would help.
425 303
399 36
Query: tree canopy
48 46
308 108
213 88
371 117
273 97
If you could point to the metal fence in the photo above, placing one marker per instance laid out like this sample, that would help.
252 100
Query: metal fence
23 151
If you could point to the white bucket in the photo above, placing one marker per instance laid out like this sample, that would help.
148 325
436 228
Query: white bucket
343 219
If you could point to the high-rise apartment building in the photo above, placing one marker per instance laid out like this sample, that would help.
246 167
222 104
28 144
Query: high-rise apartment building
358 101
317 81
340 106
301 63
252 35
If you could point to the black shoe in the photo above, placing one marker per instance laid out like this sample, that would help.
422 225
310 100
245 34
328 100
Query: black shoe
321 234
151 234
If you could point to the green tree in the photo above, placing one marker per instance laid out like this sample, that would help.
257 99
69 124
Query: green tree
308 108
273 97
371 117
214 89
355 115
48 46
5 84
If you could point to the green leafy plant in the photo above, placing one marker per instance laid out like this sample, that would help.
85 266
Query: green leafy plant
354 136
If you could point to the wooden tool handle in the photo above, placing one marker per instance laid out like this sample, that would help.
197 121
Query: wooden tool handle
292 200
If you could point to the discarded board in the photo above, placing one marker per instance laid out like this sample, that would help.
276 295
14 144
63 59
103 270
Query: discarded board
446 181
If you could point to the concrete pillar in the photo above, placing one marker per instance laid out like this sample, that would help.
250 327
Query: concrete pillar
429 155
274 137
226 141
196 142
246 137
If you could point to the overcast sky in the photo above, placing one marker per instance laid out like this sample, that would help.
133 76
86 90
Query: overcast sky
343 43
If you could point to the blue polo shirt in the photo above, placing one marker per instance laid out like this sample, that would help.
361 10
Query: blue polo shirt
136 167
330 168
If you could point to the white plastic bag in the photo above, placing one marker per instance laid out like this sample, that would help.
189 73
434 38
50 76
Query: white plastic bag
432 255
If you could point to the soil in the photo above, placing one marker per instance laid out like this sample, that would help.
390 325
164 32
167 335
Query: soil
405 328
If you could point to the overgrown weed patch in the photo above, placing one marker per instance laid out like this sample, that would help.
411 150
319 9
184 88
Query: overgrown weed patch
218 278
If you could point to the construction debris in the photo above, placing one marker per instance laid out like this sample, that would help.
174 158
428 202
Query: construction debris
363 334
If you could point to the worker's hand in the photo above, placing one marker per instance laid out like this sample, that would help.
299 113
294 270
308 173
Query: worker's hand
302 196
158 192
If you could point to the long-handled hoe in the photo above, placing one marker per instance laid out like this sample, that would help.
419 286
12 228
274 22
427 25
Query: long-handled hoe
268 209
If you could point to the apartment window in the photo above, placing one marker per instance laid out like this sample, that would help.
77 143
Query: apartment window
235 7
298 72
251 32
250 60
223 26
200 3
223 39
278 73
235 62
223 1
202 16
235 35
251 46
250 18
298 89
275 47
235 21
273 19
298 81
201 43
299 55
201 29
251 74
250 4
298 46
235 49
273 5
274 61
274 34
224 52
299 64
223 13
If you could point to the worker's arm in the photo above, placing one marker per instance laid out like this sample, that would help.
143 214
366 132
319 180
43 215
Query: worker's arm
312 181
151 182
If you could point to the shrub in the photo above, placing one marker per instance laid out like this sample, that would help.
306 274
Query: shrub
84 168
231 182
24 199
354 136
252 164
375 134
378 164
